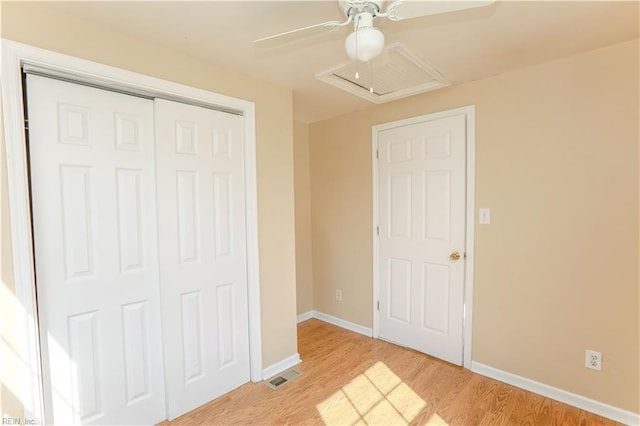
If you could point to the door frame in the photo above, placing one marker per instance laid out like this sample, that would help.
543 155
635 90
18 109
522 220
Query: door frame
469 112
15 56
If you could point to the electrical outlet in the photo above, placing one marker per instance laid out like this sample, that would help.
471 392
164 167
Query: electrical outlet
593 360
339 295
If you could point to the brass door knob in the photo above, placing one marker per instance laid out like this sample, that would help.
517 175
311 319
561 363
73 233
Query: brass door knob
454 256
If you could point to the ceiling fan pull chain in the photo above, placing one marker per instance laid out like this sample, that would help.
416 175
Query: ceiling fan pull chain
371 76
357 26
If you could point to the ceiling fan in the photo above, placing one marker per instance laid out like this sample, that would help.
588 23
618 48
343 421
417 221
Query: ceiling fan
366 42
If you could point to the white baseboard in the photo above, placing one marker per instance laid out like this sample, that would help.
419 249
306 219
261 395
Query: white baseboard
342 323
305 316
575 400
280 366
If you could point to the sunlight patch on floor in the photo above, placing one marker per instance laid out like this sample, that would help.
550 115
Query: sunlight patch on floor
436 420
376 397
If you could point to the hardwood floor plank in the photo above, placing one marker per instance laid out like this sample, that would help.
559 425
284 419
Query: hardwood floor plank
351 379
518 403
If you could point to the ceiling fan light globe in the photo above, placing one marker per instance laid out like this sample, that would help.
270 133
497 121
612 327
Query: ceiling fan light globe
370 43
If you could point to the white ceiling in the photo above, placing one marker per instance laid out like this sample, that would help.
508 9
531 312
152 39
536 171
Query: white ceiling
463 46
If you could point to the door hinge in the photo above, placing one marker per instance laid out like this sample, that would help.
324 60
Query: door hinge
378 305
377 153
378 230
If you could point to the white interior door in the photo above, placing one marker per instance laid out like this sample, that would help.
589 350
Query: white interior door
201 217
421 171
93 194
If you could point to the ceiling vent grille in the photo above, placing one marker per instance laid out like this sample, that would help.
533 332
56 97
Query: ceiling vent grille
396 73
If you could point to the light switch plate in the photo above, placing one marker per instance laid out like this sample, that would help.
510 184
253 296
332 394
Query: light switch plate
484 216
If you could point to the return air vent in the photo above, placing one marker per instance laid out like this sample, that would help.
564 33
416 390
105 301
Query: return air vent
283 378
397 73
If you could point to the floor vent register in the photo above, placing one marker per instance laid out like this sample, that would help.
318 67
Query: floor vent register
283 378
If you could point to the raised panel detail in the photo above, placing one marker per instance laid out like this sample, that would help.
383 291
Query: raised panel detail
76 221
400 151
222 214
84 351
436 298
222 144
73 124
400 290
129 186
226 327
187 194
128 132
192 336
437 208
136 351
186 138
438 146
399 206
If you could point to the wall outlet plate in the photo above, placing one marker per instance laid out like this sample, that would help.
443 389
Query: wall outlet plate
593 360
339 295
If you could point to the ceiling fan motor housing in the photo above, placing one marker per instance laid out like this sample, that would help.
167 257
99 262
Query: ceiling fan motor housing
355 7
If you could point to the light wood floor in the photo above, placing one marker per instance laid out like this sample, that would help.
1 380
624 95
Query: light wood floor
351 379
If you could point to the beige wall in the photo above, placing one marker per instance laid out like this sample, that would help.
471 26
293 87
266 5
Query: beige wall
40 26
340 156
557 270
304 270
10 364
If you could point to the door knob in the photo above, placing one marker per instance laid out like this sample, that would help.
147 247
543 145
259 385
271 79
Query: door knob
454 256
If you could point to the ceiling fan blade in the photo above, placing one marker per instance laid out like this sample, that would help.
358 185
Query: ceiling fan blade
406 9
298 34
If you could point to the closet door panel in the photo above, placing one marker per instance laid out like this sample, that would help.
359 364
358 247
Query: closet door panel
201 218
94 220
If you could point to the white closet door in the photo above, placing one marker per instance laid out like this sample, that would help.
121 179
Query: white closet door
201 219
93 191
